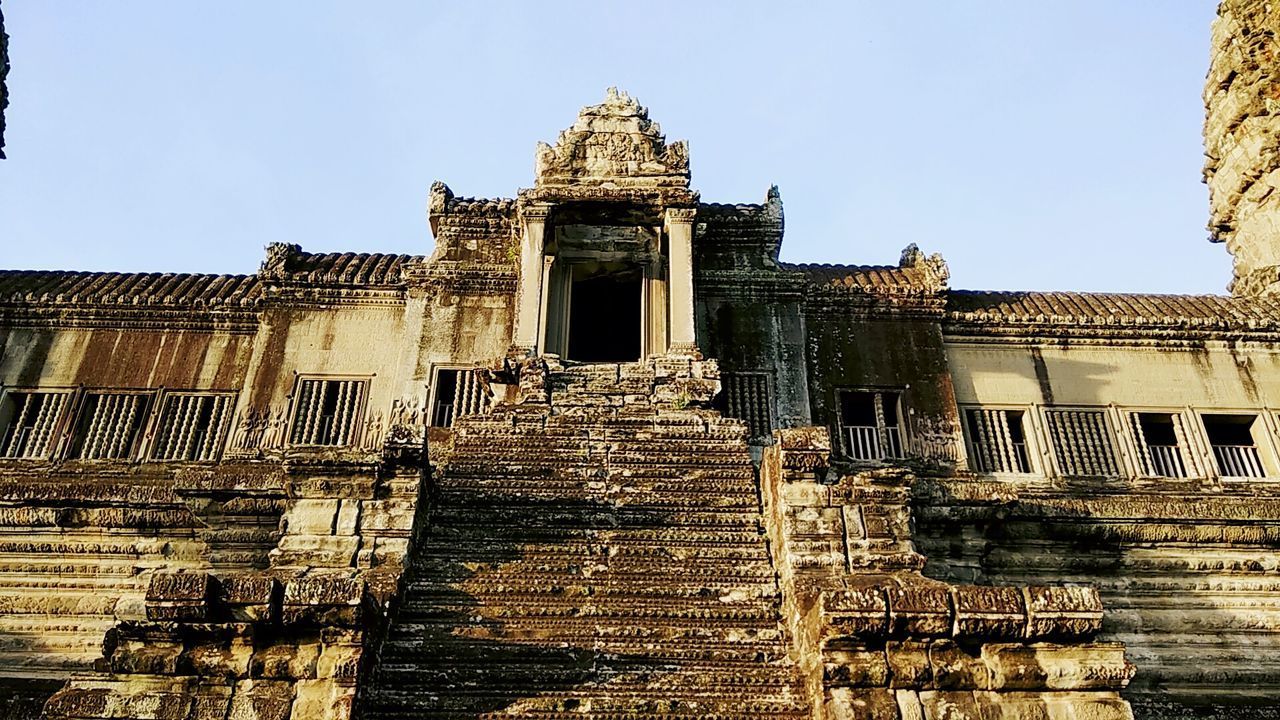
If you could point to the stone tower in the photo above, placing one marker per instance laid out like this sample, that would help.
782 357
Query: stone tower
1242 141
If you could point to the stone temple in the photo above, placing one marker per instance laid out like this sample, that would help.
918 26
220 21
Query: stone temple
603 455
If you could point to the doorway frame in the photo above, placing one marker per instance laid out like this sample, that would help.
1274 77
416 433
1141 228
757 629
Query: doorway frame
557 293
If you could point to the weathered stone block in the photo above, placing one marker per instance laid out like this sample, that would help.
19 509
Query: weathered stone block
955 668
248 596
805 449
919 610
1057 667
327 598
1013 706
179 595
389 550
993 613
861 704
949 705
860 612
909 664
311 517
287 661
261 700
315 551
855 668
322 700
150 657
348 517
384 515
1062 612
339 661
1087 706
212 703
78 702
225 662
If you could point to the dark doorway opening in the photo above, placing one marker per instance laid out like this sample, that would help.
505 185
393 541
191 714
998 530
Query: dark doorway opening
604 316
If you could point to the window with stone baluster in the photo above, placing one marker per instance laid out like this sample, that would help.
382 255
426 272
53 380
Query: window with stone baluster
192 426
997 440
1163 445
745 396
870 424
457 392
1082 441
327 411
1236 451
109 424
30 422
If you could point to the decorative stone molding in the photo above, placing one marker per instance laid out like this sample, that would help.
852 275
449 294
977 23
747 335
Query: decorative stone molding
613 142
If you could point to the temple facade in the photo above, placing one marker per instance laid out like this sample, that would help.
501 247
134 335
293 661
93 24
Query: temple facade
603 454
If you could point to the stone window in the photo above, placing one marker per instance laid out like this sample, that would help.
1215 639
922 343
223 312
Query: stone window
1162 442
1082 443
869 424
997 440
327 412
1234 449
30 422
109 425
191 426
745 396
457 392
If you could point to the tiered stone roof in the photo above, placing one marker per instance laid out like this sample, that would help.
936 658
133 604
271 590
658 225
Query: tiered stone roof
348 268
129 289
887 279
1114 309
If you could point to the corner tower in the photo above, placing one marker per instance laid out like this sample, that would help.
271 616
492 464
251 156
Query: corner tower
1242 142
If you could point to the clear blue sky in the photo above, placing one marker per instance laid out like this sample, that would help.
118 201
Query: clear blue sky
1037 144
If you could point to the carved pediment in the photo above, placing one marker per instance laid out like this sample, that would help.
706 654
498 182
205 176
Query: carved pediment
613 144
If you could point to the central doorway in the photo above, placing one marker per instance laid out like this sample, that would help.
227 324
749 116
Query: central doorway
605 321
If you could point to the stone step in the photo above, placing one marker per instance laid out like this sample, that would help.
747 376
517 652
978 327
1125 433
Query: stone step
683 537
599 558
601 611
615 566
709 546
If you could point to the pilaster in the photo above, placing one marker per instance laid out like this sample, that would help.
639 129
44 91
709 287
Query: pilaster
529 296
679 230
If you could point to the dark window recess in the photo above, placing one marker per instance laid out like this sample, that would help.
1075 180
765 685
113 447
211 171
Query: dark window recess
1234 449
1160 449
30 421
1082 443
108 425
191 427
997 441
327 412
869 427
604 317
458 392
745 396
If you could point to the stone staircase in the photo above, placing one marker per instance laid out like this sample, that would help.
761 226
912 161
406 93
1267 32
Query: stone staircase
599 555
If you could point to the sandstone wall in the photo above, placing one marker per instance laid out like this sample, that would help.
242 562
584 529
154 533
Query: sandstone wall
749 306
1185 566
1242 141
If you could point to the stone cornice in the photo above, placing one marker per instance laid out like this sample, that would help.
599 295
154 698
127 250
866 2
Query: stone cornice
758 284
1164 337
238 321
